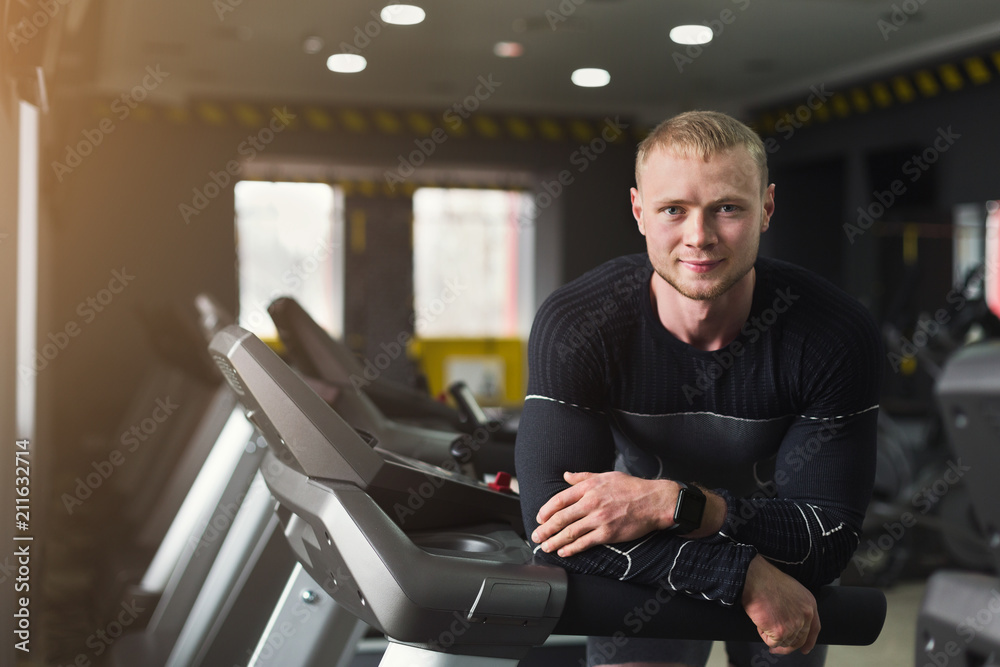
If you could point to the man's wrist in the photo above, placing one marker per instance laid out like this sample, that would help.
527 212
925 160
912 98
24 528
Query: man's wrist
714 517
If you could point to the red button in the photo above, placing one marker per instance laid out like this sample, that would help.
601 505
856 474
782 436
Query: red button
501 483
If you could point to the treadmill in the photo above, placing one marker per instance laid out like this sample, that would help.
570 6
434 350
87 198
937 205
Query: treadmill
437 561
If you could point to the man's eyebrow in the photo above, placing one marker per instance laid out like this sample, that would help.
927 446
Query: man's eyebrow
667 201
731 197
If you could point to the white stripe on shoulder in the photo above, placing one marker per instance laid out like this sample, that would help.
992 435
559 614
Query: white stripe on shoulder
853 414
556 400
711 414
741 419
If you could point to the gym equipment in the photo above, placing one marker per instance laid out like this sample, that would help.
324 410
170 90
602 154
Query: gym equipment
186 391
227 456
360 400
960 613
317 354
913 451
438 562
227 598
313 351
205 523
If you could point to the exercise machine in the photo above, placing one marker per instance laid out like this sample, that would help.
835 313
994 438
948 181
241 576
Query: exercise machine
437 561
363 399
959 621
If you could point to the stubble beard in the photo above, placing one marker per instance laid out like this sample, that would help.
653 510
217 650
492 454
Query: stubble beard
696 292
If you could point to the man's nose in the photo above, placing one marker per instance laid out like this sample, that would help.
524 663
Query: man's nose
699 230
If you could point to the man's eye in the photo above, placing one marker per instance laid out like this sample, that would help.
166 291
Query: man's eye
729 208
672 210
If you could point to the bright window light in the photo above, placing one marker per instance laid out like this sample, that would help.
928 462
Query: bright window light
28 356
591 77
346 63
290 243
400 14
691 34
478 239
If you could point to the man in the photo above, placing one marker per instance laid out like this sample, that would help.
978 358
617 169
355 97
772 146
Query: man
749 381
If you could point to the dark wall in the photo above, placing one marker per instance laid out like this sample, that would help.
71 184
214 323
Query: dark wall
806 225
875 150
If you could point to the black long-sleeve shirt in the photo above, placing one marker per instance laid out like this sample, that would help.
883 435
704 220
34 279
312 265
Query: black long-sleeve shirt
781 422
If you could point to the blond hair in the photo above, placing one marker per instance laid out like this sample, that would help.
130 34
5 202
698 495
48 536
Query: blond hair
702 133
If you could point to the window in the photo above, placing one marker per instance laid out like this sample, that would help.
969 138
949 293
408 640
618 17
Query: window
290 243
472 262
474 287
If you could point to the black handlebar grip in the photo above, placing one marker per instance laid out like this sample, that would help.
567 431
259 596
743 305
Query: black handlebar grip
602 606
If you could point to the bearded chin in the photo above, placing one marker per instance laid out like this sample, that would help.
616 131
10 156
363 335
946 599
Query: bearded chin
707 292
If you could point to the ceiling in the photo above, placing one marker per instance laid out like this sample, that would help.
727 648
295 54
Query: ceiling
766 50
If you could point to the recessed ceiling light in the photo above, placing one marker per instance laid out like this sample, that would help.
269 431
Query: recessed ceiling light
400 14
508 49
691 34
346 63
591 77
312 44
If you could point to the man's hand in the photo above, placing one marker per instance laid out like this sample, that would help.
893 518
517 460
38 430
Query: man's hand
783 610
603 508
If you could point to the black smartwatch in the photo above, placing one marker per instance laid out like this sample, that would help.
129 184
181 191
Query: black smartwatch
689 510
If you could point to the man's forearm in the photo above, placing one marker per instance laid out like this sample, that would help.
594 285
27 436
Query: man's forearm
811 543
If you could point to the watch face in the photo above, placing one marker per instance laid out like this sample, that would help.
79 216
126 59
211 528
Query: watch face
690 508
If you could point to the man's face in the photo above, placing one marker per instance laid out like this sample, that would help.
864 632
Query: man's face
702 219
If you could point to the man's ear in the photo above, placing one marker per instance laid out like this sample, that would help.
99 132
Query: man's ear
768 207
637 209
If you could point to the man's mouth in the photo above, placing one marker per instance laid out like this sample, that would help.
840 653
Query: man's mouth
701 265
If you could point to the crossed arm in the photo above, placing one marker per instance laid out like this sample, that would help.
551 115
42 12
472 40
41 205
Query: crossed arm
614 524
